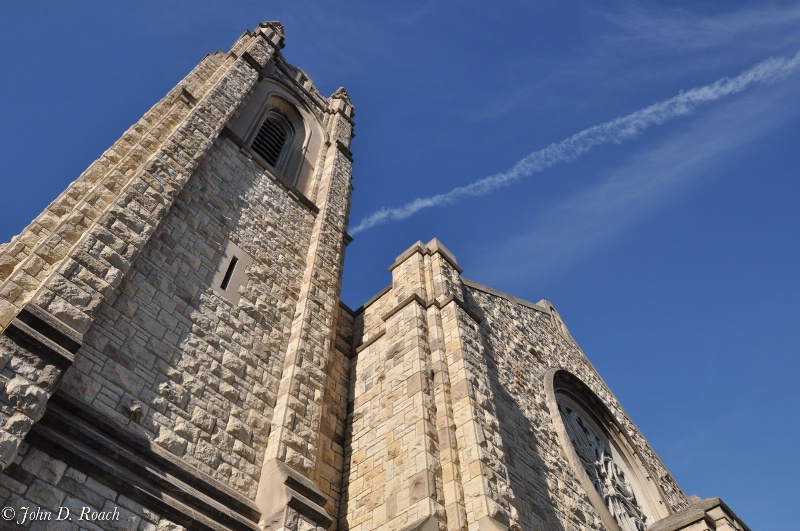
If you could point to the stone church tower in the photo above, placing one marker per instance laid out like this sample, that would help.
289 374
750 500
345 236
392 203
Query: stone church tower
174 353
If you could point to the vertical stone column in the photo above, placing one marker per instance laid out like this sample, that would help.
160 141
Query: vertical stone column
404 459
287 494
445 287
473 475
56 273
414 494
477 442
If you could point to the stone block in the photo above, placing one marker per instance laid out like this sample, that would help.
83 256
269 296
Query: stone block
171 442
44 466
18 424
116 518
45 495
25 397
421 485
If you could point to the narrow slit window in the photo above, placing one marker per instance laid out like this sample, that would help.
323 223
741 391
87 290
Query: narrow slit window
227 278
230 271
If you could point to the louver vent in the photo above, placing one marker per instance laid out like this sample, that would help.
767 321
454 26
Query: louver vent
271 139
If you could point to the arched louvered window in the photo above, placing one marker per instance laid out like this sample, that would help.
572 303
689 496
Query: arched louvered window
273 139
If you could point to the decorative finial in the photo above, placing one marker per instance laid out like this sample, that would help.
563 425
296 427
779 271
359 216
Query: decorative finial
342 94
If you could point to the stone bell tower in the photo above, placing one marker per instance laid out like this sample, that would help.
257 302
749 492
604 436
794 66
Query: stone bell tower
168 322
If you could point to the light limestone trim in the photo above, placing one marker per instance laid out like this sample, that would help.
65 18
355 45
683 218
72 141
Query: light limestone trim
711 512
377 296
312 94
277 89
293 153
491 291
431 302
432 247
490 524
371 340
284 487
292 191
418 247
435 246
572 456
402 304
427 523
238 278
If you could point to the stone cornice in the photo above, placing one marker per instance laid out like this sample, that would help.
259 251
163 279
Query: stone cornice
491 291
433 247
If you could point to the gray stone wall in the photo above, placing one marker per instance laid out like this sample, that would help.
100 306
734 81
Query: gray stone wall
204 371
521 342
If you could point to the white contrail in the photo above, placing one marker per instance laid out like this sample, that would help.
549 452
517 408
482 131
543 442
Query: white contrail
614 131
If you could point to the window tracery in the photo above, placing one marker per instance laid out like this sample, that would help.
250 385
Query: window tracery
605 472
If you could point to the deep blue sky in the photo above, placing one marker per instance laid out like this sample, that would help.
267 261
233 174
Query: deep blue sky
672 256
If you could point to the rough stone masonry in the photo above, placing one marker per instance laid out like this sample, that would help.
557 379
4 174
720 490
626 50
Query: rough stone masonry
174 353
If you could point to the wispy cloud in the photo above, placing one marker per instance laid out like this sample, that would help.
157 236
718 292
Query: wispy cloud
614 131
579 223
634 45
766 27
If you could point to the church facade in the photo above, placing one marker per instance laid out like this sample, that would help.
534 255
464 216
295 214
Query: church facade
175 355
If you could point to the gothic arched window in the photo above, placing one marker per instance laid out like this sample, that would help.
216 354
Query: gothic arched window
273 139
602 458
605 468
